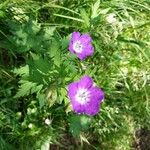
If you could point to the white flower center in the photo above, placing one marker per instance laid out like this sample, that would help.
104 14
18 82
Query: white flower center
82 96
78 47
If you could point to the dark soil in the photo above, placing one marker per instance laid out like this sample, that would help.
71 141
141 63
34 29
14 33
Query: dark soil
142 140
67 142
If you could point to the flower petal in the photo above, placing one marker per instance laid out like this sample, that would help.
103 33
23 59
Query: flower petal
89 50
97 95
92 109
81 56
85 38
77 107
71 47
72 89
75 36
85 82
93 106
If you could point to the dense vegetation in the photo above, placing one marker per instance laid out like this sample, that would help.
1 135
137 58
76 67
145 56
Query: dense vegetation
36 67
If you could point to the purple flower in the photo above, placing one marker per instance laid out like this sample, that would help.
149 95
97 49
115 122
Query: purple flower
85 97
81 45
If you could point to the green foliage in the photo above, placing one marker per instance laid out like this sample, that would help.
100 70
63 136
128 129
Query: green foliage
36 67
78 124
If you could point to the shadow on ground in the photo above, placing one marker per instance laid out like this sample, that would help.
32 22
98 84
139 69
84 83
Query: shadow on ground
142 140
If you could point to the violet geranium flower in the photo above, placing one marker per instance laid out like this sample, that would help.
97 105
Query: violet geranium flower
85 97
81 45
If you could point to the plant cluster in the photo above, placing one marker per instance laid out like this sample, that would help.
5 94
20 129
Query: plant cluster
40 57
